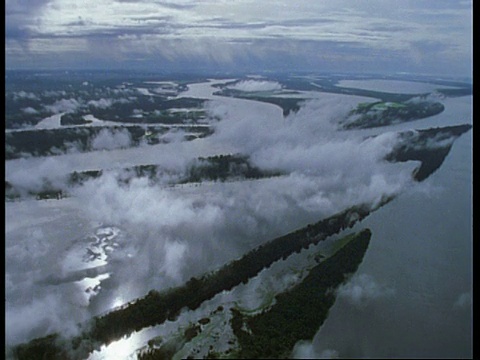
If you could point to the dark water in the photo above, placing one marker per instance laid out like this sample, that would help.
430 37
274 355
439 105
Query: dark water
415 299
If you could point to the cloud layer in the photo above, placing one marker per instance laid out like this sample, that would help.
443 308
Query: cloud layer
177 232
256 85
330 35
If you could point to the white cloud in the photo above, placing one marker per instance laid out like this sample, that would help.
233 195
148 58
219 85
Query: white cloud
109 139
101 104
256 85
328 354
174 259
25 95
43 314
63 105
464 301
306 350
363 289
178 232
124 30
30 110
48 170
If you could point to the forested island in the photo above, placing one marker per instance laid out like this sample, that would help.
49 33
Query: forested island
229 167
430 147
296 314
131 98
375 114
157 307
51 142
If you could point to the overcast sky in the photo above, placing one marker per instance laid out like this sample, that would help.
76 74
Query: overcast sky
420 36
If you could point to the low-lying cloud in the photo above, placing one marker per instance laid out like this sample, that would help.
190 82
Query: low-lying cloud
48 171
109 139
177 232
363 289
24 95
306 350
101 103
256 85
29 110
63 105
463 302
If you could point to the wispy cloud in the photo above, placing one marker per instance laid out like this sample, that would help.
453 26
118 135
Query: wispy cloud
363 289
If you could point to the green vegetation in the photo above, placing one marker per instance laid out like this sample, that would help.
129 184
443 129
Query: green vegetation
215 168
430 146
41 349
463 91
156 307
299 312
151 110
47 191
11 193
49 142
328 83
73 119
417 145
224 167
369 115
31 97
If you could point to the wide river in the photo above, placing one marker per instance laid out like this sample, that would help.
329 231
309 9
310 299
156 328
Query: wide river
413 292
411 296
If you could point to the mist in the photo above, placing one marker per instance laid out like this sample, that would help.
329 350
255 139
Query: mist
171 233
256 85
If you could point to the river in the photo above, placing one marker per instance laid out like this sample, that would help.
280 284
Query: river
413 294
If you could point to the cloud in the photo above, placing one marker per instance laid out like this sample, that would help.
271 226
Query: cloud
101 104
369 35
33 308
63 105
363 289
43 314
308 145
306 350
47 171
177 232
464 301
256 85
174 259
109 139
29 110
183 231
24 95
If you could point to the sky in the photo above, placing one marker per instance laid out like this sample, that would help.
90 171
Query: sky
421 36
